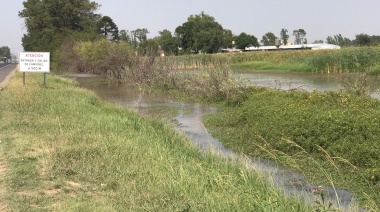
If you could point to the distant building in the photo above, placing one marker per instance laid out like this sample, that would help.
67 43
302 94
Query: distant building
294 47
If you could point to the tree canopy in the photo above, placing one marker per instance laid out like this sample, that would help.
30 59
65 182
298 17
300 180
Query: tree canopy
299 35
48 22
363 39
338 40
108 28
124 35
201 33
245 40
269 39
5 51
168 43
284 36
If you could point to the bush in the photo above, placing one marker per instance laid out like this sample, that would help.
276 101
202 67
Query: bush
103 57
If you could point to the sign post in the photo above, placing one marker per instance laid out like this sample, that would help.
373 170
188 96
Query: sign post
35 62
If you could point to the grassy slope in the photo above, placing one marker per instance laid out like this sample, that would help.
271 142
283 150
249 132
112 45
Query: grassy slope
66 150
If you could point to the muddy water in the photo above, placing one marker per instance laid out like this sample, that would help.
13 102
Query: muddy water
189 118
306 81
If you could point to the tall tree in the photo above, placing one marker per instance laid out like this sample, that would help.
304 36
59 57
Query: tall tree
300 36
168 43
108 28
201 33
338 40
141 34
284 36
245 40
227 37
49 22
363 39
124 36
269 39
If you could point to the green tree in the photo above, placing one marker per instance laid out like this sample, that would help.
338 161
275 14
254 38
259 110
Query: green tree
228 37
124 36
49 22
138 36
149 47
269 39
245 40
168 43
338 40
375 39
108 28
5 51
284 36
141 34
318 41
201 33
300 36
363 39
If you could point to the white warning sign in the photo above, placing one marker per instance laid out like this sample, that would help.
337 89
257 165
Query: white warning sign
34 62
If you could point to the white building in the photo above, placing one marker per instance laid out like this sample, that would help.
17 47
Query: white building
317 46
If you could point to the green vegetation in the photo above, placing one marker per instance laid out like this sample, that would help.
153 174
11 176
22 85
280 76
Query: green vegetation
358 59
201 33
346 60
66 150
332 137
269 39
267 65
244 40
5 52
49 24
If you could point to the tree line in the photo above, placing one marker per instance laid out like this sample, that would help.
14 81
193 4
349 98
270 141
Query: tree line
5 53
53 24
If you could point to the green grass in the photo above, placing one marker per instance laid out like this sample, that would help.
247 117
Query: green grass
333 137
66 150
345 60
267 65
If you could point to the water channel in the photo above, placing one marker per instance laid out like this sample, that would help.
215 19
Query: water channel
189 118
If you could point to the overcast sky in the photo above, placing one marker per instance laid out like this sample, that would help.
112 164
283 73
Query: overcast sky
319 19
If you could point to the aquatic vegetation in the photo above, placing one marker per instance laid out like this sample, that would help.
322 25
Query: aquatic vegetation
354 59
332 137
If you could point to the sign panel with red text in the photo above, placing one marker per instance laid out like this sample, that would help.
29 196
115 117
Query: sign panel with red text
34 62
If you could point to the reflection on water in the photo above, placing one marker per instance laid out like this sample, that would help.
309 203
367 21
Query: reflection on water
305 81
191 123
291 80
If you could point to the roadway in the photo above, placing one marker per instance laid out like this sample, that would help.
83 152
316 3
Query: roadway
5 70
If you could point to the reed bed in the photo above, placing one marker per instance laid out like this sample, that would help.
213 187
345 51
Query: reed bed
345 60
196 61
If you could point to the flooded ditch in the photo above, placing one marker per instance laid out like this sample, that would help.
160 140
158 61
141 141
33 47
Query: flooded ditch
189 118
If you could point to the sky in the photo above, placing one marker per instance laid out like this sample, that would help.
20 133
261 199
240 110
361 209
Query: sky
319 19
